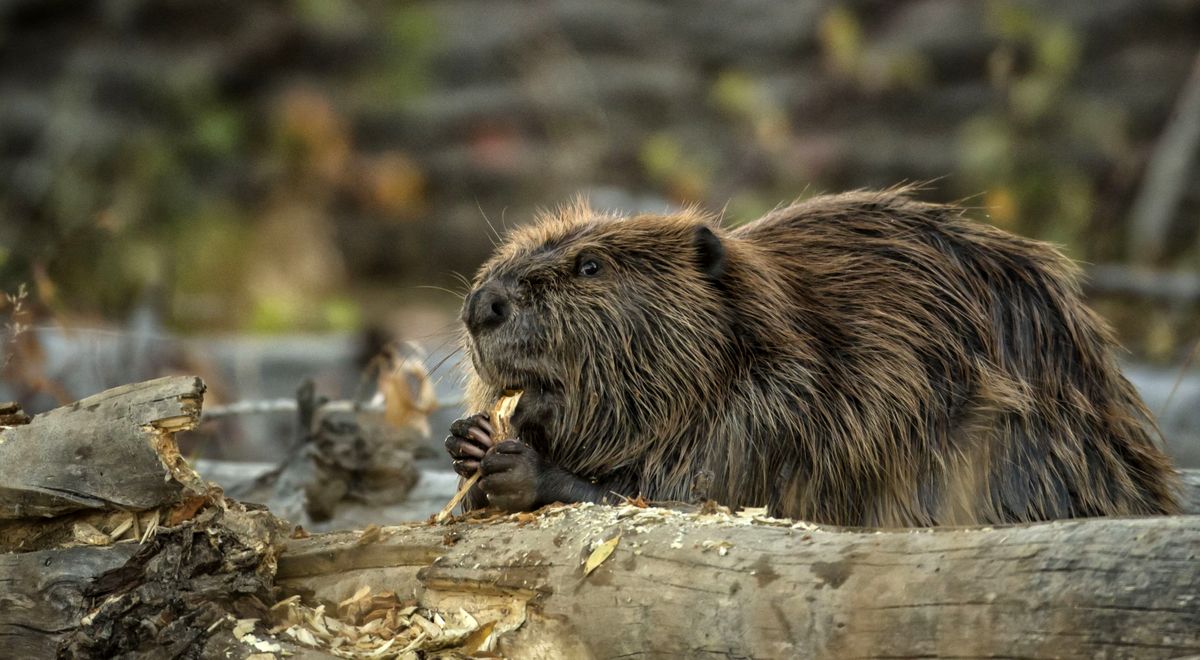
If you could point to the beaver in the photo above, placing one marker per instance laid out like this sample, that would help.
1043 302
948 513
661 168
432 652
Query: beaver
863 359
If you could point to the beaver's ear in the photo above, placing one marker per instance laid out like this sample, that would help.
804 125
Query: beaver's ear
710 252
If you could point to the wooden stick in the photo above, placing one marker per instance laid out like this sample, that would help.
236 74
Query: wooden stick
501 414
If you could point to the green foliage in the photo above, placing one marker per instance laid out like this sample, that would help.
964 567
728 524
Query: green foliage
164 186
1012 150
401 72
850 57
684 175
842 41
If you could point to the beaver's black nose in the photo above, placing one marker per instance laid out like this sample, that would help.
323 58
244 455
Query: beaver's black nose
487 307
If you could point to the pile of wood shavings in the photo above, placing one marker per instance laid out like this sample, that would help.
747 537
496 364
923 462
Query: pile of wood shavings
382 626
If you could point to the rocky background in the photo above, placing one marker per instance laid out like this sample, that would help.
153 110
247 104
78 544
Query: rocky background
264 167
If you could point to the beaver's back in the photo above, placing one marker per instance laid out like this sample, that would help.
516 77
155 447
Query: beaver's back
956 376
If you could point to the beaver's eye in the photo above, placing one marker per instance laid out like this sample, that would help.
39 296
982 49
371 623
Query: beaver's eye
587 268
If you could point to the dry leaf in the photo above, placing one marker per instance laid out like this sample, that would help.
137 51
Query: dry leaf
186 510
601 553
480 640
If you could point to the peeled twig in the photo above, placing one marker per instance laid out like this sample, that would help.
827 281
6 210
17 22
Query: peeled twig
501 415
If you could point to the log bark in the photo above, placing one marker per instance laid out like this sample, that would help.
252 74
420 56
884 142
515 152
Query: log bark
42 595
687 585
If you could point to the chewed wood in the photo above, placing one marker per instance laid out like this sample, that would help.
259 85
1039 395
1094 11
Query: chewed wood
686 585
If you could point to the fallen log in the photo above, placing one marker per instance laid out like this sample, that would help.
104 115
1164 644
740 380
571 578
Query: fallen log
203 576
114 450
115 546
687 585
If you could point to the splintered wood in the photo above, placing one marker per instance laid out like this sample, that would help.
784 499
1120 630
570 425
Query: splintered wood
377 625
501 423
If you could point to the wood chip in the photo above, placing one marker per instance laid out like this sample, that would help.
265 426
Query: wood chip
123 527
86 534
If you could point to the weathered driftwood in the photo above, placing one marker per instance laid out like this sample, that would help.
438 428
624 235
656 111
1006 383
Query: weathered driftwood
685 585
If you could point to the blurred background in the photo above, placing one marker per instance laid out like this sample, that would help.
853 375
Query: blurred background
266 191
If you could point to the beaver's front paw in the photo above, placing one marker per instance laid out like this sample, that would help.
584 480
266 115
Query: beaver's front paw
470 438
512 471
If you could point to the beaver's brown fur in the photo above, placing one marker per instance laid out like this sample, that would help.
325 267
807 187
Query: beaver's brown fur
859 359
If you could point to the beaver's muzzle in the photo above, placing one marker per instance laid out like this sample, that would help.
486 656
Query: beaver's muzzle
487 307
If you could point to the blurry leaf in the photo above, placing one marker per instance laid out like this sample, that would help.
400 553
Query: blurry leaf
218 132
1002 207
909 70
841 40
1072 201
1001 64
142 262
735 93
1161 340
1057 51
602 552
688 185
747 206
341 314
985 148
274 315
1105 124
1010 20
1034 96
661 156
313 134
330 14
393 183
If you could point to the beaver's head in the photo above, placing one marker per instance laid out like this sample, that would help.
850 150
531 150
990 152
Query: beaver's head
603 320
